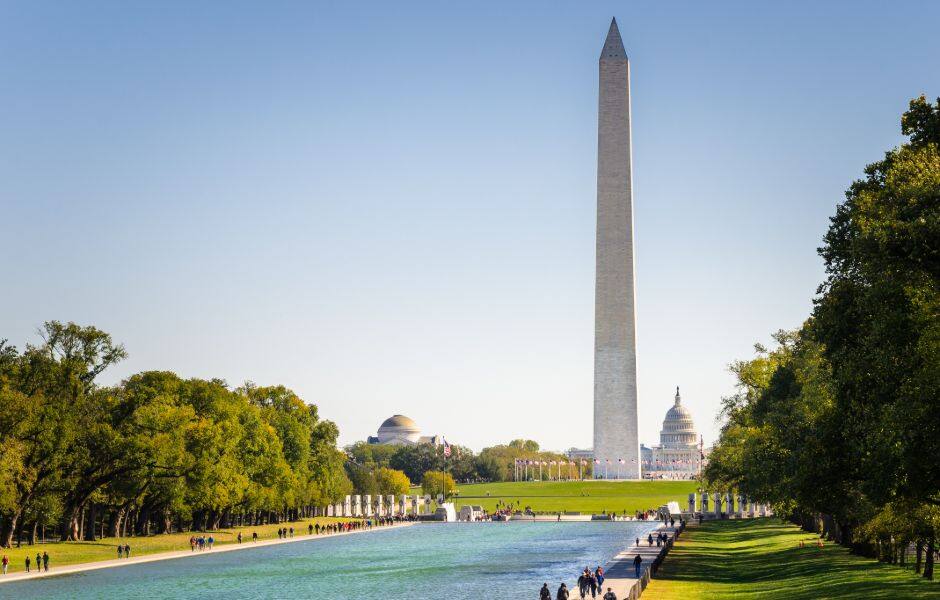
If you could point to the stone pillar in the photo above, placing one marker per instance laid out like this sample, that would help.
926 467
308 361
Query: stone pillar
391 505
402 505
329 510
729 503
740 506
751 508
717 505
379 506
704 502
357 506
347 507
367 505
692 503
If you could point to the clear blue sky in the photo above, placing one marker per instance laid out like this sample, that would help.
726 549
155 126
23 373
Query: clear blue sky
389 207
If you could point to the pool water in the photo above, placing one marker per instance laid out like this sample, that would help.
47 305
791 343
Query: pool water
452 561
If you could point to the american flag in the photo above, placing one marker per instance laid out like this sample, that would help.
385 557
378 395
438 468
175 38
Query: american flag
446 449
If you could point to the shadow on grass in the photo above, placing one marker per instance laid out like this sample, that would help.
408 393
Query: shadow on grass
761 558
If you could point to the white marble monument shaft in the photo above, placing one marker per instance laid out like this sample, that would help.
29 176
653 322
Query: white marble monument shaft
615 394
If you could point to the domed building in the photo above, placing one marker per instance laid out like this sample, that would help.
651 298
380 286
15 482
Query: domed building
400 430
678 455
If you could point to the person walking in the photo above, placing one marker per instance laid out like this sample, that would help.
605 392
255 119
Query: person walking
310 529
610 595
38 562
650 540
5 561
254 536
545 593
592 584
583 583
239 537
27 563
127 550
636 564
562 593
120 551
599 576
45 561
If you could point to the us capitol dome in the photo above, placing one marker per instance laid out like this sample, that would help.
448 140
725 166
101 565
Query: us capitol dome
679 453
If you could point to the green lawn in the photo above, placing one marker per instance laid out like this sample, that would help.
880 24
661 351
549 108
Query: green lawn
761 558
69 553
578 496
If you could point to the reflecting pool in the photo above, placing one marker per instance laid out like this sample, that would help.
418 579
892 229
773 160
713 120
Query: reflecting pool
451 561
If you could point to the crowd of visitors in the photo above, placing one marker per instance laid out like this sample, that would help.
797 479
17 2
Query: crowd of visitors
589 582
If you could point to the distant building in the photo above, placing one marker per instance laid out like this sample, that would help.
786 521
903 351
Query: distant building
678 455
580 454
399 430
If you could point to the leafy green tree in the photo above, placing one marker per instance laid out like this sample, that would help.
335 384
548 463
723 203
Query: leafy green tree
432 482
392 481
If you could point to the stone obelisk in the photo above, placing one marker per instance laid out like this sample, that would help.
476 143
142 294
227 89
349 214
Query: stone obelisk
616 445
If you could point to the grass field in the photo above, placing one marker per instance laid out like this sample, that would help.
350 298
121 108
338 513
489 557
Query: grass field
577 496
761 558
70 553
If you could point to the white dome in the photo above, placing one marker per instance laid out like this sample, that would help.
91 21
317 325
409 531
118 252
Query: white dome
678 427
399 429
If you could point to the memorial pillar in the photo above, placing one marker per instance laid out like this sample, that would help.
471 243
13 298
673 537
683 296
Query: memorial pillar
347 507
718 505
704 502
692 503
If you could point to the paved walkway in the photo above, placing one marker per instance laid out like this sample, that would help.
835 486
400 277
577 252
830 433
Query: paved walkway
105 564
620 573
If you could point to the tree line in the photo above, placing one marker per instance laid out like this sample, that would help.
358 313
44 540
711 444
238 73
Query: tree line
495 463
155 453
838 425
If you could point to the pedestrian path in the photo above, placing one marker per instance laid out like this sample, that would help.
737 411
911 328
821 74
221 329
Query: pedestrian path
620 573
146 558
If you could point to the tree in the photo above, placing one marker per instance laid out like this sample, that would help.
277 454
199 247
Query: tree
392 481
432 482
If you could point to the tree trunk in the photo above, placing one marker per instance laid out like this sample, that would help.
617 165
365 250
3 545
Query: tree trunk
920 556
143 521
7 528
70 524
92 518
928 568
114 522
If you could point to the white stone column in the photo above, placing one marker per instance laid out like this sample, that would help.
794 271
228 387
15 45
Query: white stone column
347 507
718 505
692 503
367 505
379 506
704 502
391 505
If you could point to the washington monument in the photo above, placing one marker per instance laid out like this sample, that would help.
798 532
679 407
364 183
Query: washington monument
616 445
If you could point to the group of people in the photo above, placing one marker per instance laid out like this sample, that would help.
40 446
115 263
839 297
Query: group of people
42 563
661 538
589 582
204 543
312 529
124 550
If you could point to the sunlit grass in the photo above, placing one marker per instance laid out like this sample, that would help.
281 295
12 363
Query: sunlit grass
761 558
578 496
